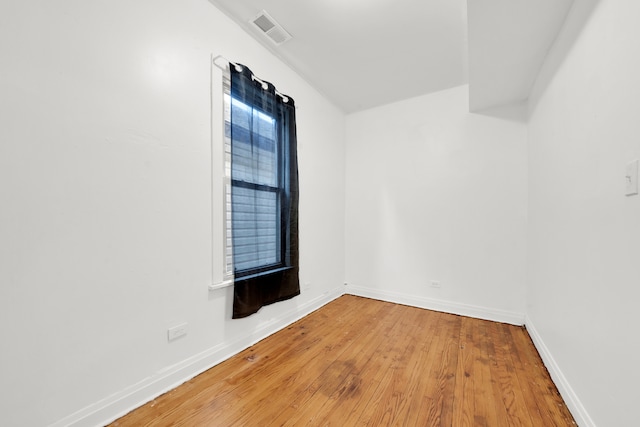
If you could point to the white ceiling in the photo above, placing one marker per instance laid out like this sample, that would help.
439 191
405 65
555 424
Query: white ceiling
365 53
508 42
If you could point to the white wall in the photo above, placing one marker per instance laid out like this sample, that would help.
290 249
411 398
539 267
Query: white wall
107 209
437 193
584 234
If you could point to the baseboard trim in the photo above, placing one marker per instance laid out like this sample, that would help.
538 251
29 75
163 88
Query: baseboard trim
478 312
115 406
119 404
570 397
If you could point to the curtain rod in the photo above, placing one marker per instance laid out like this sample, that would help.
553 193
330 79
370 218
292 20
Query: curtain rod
225 67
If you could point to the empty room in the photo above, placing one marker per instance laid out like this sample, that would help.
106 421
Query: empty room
319 212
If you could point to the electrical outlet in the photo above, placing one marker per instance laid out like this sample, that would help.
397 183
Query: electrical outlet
177 331
435 284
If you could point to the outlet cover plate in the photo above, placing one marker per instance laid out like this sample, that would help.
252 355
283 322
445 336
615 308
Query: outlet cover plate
177 331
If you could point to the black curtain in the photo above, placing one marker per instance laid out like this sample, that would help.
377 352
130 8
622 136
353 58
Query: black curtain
264 193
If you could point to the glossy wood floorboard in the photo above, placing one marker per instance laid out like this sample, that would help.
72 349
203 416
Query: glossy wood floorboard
359 362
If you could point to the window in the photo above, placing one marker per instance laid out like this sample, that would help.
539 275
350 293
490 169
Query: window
261 192
256 190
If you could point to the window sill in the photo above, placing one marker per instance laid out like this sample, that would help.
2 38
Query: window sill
228 283
221 285
263 273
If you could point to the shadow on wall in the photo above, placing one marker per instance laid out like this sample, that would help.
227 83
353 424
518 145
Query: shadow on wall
514 112
578 16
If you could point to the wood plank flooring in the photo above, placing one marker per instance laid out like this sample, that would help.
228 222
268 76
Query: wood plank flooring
358 361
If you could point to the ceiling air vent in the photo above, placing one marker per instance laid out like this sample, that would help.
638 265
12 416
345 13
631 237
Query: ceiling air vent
270 28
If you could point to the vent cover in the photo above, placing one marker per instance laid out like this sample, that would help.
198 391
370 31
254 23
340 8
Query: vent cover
270 28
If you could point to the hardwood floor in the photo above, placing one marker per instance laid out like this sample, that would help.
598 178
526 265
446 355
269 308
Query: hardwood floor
358 361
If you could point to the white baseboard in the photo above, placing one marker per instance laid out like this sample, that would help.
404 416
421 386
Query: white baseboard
113 407
119 404
566 391
439 305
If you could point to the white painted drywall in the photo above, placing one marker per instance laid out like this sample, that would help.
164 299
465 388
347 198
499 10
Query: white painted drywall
106 191
437 193
584 234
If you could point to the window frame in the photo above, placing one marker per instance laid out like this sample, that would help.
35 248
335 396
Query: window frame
230 272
